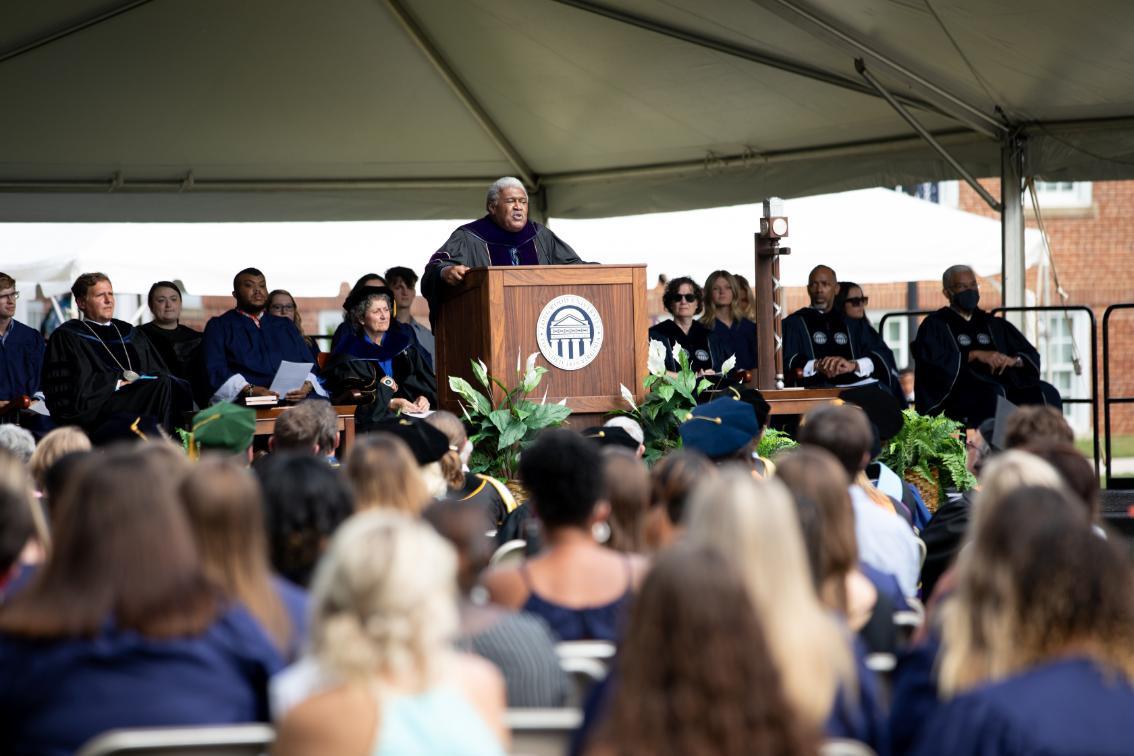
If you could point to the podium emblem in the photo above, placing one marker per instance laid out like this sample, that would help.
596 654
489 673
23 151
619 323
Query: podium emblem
569 332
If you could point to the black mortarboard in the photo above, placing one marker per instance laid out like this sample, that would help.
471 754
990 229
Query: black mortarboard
610 435
124 426
426 442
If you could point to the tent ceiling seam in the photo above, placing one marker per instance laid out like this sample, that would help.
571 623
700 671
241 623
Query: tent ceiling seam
416 33
749 54
813 21
72 29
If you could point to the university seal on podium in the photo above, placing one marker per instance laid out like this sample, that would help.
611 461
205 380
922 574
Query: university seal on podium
569 332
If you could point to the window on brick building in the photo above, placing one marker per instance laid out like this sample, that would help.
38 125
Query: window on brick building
1054 194
1057 352
895 333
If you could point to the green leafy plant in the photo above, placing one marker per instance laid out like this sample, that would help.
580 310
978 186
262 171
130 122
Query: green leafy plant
669 400
773 442
934 448
501 429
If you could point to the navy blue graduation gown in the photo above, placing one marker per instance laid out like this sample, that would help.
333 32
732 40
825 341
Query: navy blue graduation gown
21 362
234 344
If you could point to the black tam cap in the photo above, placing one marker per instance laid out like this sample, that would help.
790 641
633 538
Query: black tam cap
361 293
123 426
610 435
426 442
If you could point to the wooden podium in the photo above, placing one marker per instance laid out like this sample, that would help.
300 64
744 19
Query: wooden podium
493 313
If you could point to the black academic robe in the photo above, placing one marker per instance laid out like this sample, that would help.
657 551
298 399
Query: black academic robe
393 369
180 350
704 347
811 334
21 362
84 363
482 243
947 383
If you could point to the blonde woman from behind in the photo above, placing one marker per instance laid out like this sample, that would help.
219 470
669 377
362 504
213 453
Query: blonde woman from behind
383 620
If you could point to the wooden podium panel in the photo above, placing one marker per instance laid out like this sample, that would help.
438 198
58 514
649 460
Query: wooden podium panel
492 315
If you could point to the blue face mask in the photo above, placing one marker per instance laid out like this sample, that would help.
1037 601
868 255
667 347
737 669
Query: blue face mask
967 300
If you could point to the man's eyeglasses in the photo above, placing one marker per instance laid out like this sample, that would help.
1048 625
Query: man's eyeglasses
687 297
12 295
858 301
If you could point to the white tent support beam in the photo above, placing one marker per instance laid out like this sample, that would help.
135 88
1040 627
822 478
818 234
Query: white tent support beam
1012 227
462 92
810 19
860 66
67 31
750 54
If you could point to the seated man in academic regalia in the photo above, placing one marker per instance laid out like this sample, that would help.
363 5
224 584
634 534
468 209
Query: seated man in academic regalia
244 347
504 236
965 358
824 349
21 355
96 367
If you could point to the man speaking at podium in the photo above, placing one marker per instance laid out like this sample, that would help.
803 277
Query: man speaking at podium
504 236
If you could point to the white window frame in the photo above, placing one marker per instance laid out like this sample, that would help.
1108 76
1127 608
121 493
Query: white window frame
1078 414
1064 194
902 350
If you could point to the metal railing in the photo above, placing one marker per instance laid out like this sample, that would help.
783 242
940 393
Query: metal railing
1092 399
1124 483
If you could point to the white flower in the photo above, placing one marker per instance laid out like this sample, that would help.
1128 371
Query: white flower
627 395
655 360
728 365
562 402
531 377
677 352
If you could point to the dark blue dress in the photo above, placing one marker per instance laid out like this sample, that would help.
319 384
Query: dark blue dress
1067 707
738 339
603 622
57 695
234 344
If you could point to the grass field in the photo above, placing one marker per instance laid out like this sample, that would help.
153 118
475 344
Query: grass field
1120 446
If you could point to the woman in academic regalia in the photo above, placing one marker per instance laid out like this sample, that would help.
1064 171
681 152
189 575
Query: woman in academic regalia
379 363
683 299
179 345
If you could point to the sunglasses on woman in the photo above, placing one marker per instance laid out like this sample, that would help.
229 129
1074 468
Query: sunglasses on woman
686 297
858 301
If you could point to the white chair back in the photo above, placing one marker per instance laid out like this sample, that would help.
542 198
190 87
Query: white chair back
510 553
225 740
542 732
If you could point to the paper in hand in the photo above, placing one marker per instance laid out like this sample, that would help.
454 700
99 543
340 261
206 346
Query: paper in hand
290 377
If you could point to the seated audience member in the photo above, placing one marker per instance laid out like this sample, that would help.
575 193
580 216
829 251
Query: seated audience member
611 437
683 300
310 426
728 430
345 327
1077 473
579 587
97 366
1031 424
226 515
304 503
18 526
823 348
122 628
672 481
384 471
885 541
1036 641
753 525
633 430
243 348
697 673
21 353
18 441
282 304
402 282
179 345
224 430
966 358
428 446
384 615
54 446
379 362
484 491
736 334
626 488
519 644
813 473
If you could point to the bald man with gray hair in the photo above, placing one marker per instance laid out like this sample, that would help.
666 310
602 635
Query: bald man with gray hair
965 359
504 236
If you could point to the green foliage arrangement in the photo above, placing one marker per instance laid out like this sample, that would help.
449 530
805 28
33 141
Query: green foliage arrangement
773 442
669 399
500 430
930 445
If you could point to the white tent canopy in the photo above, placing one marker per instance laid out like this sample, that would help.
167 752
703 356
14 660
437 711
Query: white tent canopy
870 236
133 110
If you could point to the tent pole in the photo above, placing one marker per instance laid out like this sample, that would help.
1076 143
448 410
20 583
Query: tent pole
860 65
1012 265
462 92
69 30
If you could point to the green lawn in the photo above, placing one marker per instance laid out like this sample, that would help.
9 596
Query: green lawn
1120 446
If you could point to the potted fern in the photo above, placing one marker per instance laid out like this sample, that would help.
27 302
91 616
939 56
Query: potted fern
503 421
929 453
